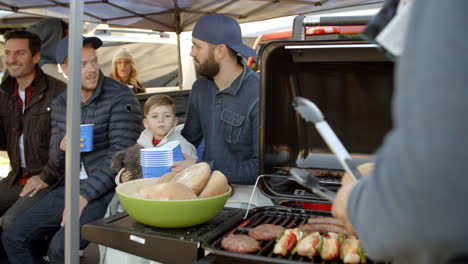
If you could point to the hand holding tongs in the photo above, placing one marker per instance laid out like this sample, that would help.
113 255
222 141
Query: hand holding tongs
310 112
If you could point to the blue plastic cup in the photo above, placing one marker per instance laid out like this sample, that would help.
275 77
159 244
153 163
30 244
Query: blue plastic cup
87 133
154 172
177 152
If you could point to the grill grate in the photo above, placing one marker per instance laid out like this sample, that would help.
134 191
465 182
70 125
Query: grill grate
288 218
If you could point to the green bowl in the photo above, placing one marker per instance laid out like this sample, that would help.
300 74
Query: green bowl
168 214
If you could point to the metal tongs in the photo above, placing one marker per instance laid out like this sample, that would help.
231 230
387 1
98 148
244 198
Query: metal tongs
310 112
304 178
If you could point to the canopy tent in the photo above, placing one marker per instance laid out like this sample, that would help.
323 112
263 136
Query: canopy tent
175 15
160 15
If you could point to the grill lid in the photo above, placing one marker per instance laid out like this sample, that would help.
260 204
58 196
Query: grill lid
352 84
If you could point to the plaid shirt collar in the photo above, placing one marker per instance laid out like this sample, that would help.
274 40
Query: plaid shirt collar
28 94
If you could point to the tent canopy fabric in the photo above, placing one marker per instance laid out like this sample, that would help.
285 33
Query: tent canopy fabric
175 15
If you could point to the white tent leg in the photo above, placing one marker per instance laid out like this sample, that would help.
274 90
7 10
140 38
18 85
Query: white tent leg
179 60
72 160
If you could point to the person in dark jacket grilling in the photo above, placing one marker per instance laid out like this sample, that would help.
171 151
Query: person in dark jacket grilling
223 106
26 96
116 115
412 208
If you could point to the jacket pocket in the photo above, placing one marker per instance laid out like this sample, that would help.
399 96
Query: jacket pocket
5 121
232 126
40 119
5 118
39 135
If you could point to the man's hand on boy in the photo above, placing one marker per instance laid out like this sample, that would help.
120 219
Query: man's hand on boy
33 186
181 165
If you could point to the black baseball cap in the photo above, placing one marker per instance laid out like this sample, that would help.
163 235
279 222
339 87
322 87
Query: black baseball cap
62 48
220 29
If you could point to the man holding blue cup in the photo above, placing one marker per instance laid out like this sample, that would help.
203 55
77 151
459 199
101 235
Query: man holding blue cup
86 137
116 115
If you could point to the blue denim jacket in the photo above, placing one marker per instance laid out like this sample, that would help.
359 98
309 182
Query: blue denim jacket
228 121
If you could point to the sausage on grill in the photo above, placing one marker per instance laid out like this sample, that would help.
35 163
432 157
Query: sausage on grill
324 220
265 232
324 228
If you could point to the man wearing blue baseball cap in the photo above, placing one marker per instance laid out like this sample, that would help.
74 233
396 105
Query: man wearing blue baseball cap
223 106
116 115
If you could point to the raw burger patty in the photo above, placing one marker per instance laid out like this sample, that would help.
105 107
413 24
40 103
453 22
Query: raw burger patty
265 231
240 244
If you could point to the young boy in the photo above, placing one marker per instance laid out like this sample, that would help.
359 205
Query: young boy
160 127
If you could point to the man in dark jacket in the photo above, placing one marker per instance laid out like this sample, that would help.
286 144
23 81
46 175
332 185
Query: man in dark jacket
25 101
116 115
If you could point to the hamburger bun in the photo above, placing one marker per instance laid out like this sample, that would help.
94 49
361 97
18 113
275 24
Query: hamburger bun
170 191
168 177
217 185
195 177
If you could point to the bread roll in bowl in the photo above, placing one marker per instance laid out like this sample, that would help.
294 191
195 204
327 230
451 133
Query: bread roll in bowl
143 190
195 177
168 177
167 191
217 185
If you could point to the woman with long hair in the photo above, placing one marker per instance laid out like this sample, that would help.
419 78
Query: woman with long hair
125 71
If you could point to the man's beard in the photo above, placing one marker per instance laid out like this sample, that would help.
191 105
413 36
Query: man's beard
209 68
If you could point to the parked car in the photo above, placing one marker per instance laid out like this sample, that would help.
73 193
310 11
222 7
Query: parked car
312 33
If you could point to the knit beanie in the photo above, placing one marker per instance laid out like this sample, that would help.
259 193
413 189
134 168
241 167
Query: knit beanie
122 53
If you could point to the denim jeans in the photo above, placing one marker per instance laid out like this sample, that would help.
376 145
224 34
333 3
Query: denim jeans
26 236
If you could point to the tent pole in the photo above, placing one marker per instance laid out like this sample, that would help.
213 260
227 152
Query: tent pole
72 159
179 60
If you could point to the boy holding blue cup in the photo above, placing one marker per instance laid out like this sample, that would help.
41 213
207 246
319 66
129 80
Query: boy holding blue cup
160 128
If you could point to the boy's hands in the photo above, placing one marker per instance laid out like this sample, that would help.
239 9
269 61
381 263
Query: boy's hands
126 176
181 165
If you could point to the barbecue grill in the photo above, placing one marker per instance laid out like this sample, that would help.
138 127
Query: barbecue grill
287 217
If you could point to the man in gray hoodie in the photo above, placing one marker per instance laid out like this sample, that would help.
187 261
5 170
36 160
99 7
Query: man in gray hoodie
51 30
413 208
